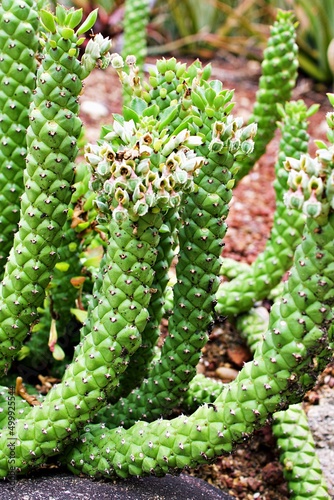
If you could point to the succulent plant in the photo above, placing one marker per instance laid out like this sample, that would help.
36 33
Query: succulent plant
253 283
18 45
278 78
156 186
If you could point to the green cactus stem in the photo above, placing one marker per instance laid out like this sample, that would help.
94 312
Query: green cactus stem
298 456
18 47
253 284
231 268
285 365
200 240
301 466
138 174
134 51
56 322
141 360
279 74
252 325
52 147
136 15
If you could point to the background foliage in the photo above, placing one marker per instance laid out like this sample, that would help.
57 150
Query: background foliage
221 27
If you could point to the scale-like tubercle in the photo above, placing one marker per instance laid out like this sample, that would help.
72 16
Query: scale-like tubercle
56 322
136 15
18 46
138 177
51 149
285 365
301 466
254 283
140 362
200 241
279 74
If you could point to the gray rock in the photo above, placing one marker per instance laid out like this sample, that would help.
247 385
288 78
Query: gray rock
96 110
321 422
64 486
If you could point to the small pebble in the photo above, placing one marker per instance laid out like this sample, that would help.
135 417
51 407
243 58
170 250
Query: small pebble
95 110
226 373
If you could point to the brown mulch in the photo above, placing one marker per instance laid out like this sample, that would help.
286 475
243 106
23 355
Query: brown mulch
253 470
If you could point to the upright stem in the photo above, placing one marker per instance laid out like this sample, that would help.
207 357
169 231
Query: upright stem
118 320
18 46
285 366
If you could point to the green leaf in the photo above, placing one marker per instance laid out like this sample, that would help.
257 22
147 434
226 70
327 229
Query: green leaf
330 98
79 314
184 124
88 23
62 266
130 114
210 94
138 105
23 353
75 18
105 129
167 116
198 101
48 20
216 85
67 33
320 144
60 14
280 109
312 110
207 72
57 353
152 110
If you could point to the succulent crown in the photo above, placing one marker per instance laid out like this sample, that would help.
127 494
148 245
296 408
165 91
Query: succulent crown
137 167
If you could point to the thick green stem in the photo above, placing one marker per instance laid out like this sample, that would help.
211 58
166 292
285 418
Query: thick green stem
18 47
118 320
254 283
136 17
52 147
301 466
140 362
285 365
279 74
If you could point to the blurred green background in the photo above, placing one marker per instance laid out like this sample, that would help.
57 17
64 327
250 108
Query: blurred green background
215 28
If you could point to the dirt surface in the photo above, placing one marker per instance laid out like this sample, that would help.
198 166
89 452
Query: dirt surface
253 470
61 485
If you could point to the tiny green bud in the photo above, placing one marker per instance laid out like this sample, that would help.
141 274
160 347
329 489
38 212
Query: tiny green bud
170 76
312 207
67 33
161 65
117 61
48 20
153 81
163 93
